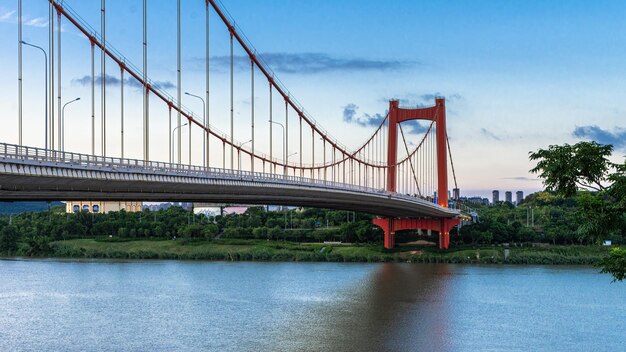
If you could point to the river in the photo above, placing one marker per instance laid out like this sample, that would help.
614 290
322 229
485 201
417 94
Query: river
63 305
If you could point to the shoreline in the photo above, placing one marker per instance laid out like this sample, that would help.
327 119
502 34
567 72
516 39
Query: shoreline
272 251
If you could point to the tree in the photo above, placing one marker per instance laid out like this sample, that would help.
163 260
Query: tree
585 169
8 239
567 168
615 264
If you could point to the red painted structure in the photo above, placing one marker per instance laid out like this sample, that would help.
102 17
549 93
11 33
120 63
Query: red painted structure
360 163
398 115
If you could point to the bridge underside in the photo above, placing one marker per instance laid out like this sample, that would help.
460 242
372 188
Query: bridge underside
20 180
391 225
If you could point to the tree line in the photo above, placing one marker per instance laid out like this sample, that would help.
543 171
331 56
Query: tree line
30 233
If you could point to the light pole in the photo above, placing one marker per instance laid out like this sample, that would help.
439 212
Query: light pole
174 130
241 146
204 141
284 144
287 161
63 122
46 78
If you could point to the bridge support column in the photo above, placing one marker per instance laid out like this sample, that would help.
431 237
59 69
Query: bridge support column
444 240
389 240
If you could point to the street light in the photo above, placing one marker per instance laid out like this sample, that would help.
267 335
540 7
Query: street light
241 146
174 130
204 141
45 56
284 143
63 122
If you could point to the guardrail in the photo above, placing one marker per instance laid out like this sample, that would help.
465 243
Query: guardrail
71 159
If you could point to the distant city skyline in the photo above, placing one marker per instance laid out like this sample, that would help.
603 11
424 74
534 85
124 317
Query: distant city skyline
518 79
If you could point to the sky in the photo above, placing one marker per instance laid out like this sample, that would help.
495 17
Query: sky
517 75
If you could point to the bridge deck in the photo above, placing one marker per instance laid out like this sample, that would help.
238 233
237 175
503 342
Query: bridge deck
28 173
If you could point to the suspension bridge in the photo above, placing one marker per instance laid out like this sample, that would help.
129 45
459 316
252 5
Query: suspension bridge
404 183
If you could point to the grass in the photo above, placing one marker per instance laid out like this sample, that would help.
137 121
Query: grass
260 250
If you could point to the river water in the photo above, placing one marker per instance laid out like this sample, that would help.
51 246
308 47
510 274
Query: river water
53 305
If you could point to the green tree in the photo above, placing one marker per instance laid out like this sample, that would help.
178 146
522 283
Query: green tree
585 168
615 264
8 239
567 168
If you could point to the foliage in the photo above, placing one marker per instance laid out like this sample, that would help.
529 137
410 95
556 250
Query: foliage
566 168
263 250
615 264
8 239
29 233
585 170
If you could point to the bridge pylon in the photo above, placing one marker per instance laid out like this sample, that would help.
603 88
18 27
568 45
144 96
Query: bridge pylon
443 226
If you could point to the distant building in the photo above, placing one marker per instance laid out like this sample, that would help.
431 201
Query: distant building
508 196
519 197
495 196
101 207
485 201
456 193
475 200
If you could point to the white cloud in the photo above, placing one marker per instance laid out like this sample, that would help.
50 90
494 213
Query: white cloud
36 22
11 17
7 16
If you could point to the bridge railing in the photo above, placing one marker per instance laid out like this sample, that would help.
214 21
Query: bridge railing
71 159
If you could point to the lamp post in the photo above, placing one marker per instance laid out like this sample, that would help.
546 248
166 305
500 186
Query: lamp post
174 130
284 144
241 146
204 141
63 122
46 82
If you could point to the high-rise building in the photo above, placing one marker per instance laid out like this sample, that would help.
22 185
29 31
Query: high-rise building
519 197
456 193
508 197
495 196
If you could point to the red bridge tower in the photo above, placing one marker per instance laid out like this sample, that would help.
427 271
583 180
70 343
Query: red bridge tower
443 226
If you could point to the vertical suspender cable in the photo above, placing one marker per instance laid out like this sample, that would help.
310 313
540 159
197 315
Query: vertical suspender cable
178 78
324 160
93 99
19 70
169 110
207 122
286 141
51 45
232 111
60 126
122 110
334 166
252 114
301 169
271 141
146 94
104 75
312 153
343 176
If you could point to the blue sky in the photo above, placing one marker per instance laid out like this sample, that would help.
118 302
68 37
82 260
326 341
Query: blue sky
518 75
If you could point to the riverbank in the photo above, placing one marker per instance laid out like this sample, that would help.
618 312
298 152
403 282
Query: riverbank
259 250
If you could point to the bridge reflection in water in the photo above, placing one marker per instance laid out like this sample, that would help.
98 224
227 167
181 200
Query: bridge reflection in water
399 307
